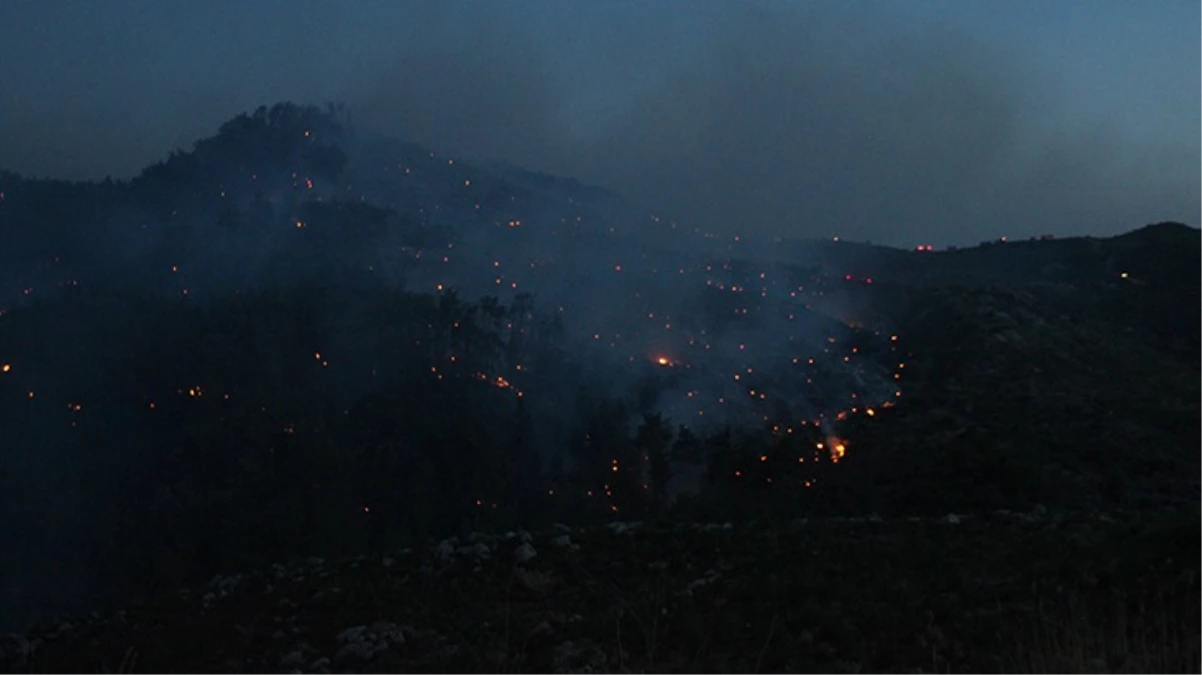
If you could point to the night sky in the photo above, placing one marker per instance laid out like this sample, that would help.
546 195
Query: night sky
947 122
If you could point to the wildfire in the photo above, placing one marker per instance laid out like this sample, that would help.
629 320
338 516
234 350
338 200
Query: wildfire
838 448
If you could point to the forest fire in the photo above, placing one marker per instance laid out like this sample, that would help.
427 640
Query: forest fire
740 343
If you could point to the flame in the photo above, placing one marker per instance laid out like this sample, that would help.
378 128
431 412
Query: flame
838 448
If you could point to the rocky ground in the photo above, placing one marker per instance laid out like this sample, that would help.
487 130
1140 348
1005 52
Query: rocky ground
999 592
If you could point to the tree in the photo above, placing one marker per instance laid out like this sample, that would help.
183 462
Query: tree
651 440
687 448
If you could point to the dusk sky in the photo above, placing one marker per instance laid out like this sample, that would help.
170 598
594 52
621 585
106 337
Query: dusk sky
895 121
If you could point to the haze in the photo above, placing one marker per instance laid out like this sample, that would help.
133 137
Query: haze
942 122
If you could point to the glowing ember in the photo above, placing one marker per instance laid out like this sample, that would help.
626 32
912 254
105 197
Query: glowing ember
838 448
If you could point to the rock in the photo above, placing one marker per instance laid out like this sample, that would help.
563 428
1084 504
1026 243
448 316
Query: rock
586 657
445 551
534 581
352 634
562 541
224 585
389 632
482 551
950 519
658 566
627 528
15 652
359 643
355 652
294 659
560 527
524 553
320 665
710 577
387 562
543 629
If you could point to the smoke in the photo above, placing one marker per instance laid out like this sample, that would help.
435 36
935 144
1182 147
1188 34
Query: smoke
791 123
766 119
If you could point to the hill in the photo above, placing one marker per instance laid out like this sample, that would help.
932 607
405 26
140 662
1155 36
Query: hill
294 341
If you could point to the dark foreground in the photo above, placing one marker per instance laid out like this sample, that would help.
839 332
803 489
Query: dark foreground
1032 592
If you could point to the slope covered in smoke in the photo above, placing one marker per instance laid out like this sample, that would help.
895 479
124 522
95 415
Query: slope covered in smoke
290 195
186 352
295 339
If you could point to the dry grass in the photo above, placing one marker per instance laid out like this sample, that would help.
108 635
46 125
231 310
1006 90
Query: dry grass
1117 635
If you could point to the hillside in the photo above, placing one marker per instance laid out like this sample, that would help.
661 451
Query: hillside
294 342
